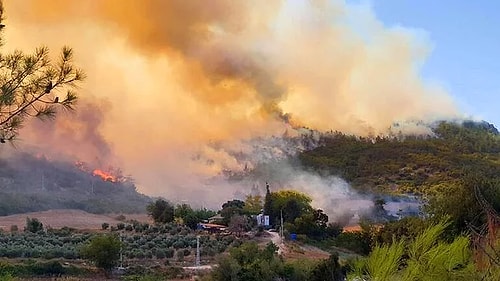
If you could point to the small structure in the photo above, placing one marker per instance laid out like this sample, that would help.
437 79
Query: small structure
262 220
215 219
211 227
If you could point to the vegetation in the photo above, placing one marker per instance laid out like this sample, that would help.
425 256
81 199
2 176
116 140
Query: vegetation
417 164
33 225
427 257
103 250
248 262
140 241
64 187
161 211
31 85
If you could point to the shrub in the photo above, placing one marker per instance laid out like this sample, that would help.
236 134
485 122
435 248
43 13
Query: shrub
103 250
169 253
33 225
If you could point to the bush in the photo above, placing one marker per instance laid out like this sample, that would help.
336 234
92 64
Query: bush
160 254
121 218
33 225
103 250
169 253
180 255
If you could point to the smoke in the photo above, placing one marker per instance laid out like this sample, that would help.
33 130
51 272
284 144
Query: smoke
70 136
183 77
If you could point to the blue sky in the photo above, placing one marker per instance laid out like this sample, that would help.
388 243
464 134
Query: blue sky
466 47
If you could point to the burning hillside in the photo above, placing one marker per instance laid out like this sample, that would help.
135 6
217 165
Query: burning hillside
31 183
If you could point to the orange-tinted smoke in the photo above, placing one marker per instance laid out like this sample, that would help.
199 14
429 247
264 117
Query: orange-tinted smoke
179 74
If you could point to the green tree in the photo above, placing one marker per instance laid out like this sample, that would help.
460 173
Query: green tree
103 251
328 269
253 204
292 203
231 208
31 85
33 225
268 204
313 224
161 211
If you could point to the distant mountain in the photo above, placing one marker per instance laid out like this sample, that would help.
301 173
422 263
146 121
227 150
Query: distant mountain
34 183
415 164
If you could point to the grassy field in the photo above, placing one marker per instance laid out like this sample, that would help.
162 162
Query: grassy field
76 219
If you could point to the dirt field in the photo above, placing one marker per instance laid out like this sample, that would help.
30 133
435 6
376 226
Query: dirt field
71 218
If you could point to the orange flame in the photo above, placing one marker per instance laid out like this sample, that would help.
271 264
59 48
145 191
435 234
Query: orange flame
105 176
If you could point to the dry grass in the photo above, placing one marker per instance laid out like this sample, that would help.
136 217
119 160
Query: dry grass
71 218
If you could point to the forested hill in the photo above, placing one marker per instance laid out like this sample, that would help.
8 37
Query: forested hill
29 183
410 164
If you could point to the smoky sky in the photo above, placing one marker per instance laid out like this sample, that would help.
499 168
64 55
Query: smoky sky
177 75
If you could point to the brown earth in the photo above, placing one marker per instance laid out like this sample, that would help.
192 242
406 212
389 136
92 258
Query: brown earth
71 218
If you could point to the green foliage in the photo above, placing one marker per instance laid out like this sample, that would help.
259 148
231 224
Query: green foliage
289 203
32 268
458 202
151 242
406 228
248 262
231 208
32 86
358 242
253 204
103 250
191 217
313 224
409 164
328 269
426 257
161 211
33 225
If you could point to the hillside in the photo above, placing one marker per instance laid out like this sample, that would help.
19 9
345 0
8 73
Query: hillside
416 164
29 183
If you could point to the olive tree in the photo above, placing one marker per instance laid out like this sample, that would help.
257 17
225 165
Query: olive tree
103 250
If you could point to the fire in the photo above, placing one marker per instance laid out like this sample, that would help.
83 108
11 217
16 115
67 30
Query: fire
105 176
110 174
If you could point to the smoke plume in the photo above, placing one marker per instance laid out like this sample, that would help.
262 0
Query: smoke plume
182 76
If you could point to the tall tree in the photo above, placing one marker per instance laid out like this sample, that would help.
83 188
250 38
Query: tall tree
268 204
161 211
31 85
253 204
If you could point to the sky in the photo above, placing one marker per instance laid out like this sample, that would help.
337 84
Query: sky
465 39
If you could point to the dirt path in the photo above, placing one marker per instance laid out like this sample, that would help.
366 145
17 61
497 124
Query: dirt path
276 239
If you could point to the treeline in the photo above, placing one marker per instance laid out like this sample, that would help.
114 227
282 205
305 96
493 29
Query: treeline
408 163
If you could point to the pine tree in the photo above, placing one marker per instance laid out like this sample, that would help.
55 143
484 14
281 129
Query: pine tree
32 86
